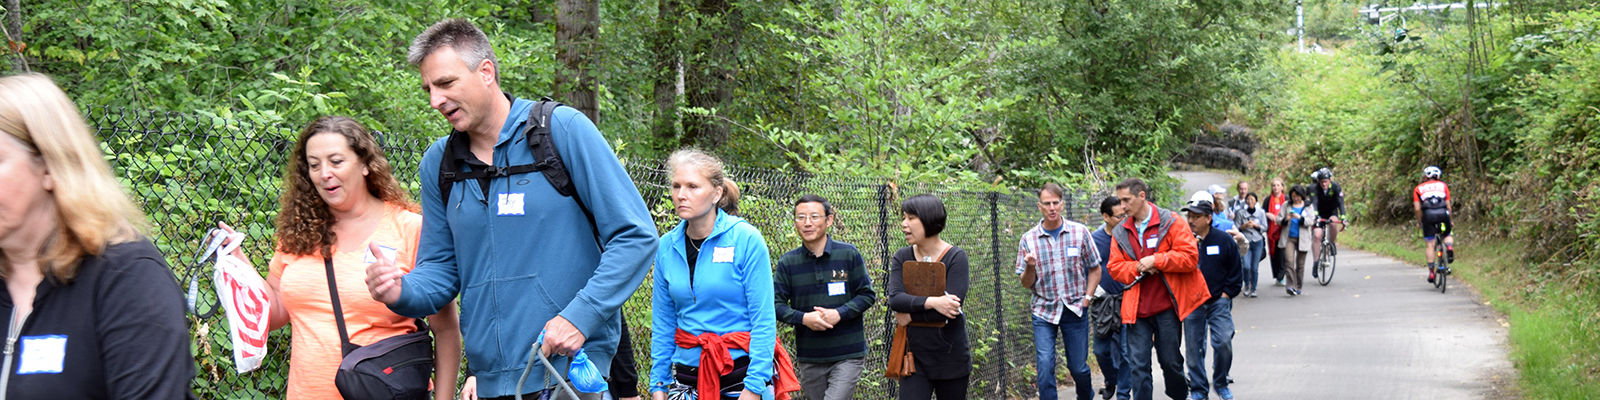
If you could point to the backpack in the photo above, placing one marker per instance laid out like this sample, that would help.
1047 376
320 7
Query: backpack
547 160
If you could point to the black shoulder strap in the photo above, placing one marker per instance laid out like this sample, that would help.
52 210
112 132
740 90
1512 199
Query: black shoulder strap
338 313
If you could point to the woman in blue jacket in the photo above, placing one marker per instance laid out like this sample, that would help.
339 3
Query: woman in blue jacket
713 329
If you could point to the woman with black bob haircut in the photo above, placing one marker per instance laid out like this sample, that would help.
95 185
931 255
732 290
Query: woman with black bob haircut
940 355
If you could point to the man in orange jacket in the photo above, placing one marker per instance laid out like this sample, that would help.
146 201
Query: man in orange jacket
1155 252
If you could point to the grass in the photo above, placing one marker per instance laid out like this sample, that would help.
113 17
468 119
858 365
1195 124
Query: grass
1553 309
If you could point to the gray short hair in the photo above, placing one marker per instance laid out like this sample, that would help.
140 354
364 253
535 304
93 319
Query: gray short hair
459 34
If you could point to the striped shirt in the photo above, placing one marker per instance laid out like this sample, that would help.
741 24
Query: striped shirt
838 280
1064 263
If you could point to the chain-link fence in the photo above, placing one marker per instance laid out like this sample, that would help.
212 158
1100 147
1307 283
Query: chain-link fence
189 172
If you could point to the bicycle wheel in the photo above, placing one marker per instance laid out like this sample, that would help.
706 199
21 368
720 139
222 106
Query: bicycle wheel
1325 265
1443 274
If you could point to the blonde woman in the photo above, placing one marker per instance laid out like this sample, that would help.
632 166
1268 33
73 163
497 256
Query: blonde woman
90 305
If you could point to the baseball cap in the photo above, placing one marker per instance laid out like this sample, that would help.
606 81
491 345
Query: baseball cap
1199 207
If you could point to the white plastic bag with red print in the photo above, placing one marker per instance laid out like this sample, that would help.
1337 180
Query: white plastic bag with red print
243 295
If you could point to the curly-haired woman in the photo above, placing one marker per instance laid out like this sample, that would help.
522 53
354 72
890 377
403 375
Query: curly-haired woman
341 199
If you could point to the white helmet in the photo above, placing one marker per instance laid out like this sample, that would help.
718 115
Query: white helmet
1431 172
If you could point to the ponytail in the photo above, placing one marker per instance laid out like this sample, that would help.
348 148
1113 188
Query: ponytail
729 203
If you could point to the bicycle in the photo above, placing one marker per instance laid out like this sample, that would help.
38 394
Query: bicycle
1442 271
1327 259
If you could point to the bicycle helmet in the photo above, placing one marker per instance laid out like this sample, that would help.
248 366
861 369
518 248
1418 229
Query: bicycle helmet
1322 173
1431 172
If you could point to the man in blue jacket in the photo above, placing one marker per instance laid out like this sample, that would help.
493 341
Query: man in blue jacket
1110 351
1219 262
523 257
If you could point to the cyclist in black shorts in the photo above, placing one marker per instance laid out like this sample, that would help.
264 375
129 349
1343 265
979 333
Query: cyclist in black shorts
1431 203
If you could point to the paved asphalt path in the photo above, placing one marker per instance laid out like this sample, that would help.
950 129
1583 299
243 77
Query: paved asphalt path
1378 331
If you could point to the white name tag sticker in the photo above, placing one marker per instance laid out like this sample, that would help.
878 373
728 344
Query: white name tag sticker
835 288
387 251
1072 252
510 203
1150 243
42 354
1213 250
722 255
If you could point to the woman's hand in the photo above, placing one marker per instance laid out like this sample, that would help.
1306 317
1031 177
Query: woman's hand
469 389
949 305
658 395
748 395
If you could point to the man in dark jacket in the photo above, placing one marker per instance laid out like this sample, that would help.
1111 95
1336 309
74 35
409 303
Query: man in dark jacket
1110 350
1219 262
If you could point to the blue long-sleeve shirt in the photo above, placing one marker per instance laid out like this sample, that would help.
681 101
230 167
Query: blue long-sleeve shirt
520 254
731 292
1102 242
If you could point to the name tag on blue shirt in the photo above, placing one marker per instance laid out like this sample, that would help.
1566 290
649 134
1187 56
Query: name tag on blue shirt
510 203
722 255
1072 252
835 288
1213 250
42 354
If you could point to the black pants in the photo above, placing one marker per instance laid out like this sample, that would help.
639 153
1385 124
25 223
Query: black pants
1277 261
919 387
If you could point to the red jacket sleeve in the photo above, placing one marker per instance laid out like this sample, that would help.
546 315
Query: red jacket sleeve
1122 268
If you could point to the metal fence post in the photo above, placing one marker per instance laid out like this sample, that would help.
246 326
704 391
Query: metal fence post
1000 308
883 252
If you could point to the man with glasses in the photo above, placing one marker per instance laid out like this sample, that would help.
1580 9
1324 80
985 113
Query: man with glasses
1060 265
822 288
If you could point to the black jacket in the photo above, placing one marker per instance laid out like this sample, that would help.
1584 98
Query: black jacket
1219 262
122 320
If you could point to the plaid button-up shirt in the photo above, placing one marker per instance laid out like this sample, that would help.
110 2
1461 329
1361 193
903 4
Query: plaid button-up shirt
1064 264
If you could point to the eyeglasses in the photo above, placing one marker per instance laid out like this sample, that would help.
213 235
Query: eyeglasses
809 218
1050 203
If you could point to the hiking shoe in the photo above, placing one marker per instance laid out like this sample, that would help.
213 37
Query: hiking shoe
1197 396
1224 393
1296 292
1290 291
1430 276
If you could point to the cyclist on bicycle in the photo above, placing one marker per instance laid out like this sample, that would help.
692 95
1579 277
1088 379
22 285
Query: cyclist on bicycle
1329 199
1430 201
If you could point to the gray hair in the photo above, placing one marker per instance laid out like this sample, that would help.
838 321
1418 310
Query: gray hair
459 34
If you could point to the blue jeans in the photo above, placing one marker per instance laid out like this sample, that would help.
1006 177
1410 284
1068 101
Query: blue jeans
1074 333
1215 318
1111 352
1252 262
1164 334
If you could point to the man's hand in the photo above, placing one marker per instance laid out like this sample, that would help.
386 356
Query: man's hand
469 390
1147 265
815 321
829 315
383 277
1030 259
561 337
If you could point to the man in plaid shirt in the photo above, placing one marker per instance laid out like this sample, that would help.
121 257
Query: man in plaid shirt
1060 265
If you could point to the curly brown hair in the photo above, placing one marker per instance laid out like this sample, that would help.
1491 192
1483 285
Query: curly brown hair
305 225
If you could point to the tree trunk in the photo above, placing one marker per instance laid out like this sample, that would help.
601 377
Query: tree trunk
709 71
14 29
577 21
666 67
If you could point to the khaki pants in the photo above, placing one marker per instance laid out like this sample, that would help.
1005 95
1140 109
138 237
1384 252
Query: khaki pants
1295 263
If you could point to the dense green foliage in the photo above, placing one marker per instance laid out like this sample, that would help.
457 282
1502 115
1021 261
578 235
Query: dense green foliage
932 90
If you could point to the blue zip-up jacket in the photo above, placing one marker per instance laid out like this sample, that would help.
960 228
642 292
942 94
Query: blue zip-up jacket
525 254
732 292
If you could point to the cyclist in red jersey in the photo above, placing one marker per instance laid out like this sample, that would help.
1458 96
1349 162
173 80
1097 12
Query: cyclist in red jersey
1430 201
